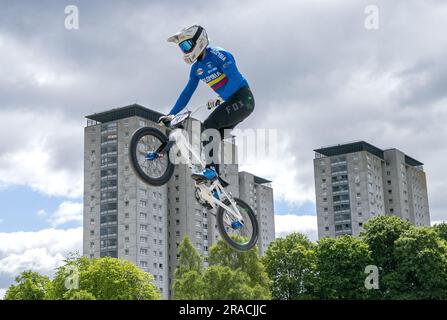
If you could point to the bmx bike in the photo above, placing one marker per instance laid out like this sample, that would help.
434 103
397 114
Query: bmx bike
150 159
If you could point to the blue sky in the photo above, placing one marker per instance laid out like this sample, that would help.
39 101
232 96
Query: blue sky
20 207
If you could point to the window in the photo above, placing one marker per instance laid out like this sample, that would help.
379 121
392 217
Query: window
143 239
177 233
126 252
143 264
143 251
176 177
143 227
126 227
143 203
143 215
326 228
92 232
177 222
126 239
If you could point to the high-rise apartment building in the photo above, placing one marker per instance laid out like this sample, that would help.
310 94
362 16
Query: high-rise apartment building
126 218
258 193
357 181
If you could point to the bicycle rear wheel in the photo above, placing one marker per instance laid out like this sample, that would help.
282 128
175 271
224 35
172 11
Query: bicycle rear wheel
240 236
151 167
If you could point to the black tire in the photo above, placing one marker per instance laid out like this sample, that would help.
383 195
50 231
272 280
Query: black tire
248 212
166 173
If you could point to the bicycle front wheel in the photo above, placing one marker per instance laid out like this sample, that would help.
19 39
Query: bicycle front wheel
240 235
153 168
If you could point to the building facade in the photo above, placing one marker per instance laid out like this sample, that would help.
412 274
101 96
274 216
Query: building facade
357 181
257 192
126 218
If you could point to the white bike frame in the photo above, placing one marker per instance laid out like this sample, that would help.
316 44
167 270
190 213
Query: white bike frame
206 192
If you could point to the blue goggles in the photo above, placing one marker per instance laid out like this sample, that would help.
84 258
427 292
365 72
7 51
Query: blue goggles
186 46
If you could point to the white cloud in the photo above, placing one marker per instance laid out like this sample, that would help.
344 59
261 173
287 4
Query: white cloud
41 213
66 212
2 293
438 222
289 223
41 251
44 155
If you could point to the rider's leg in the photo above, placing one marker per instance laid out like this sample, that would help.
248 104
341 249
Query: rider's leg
229 114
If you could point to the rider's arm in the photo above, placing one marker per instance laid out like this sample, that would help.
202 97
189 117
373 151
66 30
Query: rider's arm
228 65
186 94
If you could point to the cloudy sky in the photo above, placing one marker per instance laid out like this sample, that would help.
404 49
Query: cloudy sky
319 77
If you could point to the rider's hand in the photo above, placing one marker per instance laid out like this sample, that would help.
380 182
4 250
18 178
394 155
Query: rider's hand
212 103
166 119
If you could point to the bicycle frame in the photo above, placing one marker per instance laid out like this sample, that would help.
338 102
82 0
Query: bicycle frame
176 137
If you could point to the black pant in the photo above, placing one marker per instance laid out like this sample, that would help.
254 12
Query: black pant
230 113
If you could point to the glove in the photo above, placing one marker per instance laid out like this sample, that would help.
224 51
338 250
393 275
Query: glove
166 119
212 103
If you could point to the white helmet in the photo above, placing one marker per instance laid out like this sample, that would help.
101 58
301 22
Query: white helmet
192 41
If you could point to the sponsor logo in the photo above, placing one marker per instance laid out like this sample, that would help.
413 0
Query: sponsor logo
199 71
212 76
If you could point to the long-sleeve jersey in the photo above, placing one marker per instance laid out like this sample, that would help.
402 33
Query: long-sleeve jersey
218 70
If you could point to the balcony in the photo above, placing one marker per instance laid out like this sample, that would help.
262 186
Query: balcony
343 211
343 232
340 182
108 200
339 163
336 193
336 173
109 165
341 202
105 143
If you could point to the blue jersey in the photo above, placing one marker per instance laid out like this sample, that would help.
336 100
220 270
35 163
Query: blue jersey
218 70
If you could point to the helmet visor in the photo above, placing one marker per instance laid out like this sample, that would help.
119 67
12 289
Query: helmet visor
186 46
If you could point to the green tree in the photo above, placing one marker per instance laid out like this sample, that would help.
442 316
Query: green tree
189 259
380 234
74 262
421 271
224 283
78 295
189 286
441 229
228 277
290 264
246 261
103 279
30 286
340 264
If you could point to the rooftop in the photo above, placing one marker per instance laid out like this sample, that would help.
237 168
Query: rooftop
125 112
257 180
360 146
